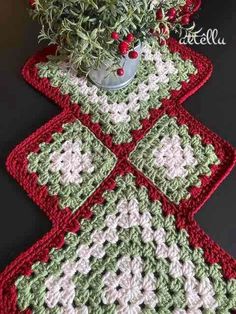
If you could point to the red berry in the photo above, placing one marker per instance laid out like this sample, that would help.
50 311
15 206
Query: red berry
171 13
185 20
32 3
123 48
130 38
115 36
159 14
133 54
120 72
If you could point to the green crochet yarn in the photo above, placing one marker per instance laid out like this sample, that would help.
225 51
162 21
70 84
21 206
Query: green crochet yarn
54 164
175 189
121 131
87 275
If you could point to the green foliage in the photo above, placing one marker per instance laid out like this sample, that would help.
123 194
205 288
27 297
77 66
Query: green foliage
82 29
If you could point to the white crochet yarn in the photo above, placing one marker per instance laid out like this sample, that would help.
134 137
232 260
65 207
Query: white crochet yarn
130 288
173 157
71 162
120 112
62 291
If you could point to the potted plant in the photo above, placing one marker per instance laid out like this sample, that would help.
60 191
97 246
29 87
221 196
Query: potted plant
103 38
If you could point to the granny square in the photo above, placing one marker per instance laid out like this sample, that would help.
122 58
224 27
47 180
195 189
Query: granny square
183 158
131 257
173 159
65 159
118 112
166 74
121 176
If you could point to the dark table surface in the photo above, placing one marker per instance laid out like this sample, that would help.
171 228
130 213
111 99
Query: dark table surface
23 110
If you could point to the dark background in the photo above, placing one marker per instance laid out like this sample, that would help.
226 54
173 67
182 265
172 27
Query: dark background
23 110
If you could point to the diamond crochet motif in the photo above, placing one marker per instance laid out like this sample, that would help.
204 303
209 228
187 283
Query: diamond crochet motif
72 165
121 175
120 112
173 159
130 258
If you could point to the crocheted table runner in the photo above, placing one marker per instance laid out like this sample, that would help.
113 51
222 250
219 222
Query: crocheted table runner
121 175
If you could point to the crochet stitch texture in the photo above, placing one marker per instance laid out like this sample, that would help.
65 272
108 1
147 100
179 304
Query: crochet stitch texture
121 111
121 175
129 259
73 165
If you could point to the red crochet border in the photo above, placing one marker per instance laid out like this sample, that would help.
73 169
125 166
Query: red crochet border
64 221
203 65
17 161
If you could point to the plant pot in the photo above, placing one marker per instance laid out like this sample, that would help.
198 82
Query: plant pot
104 78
